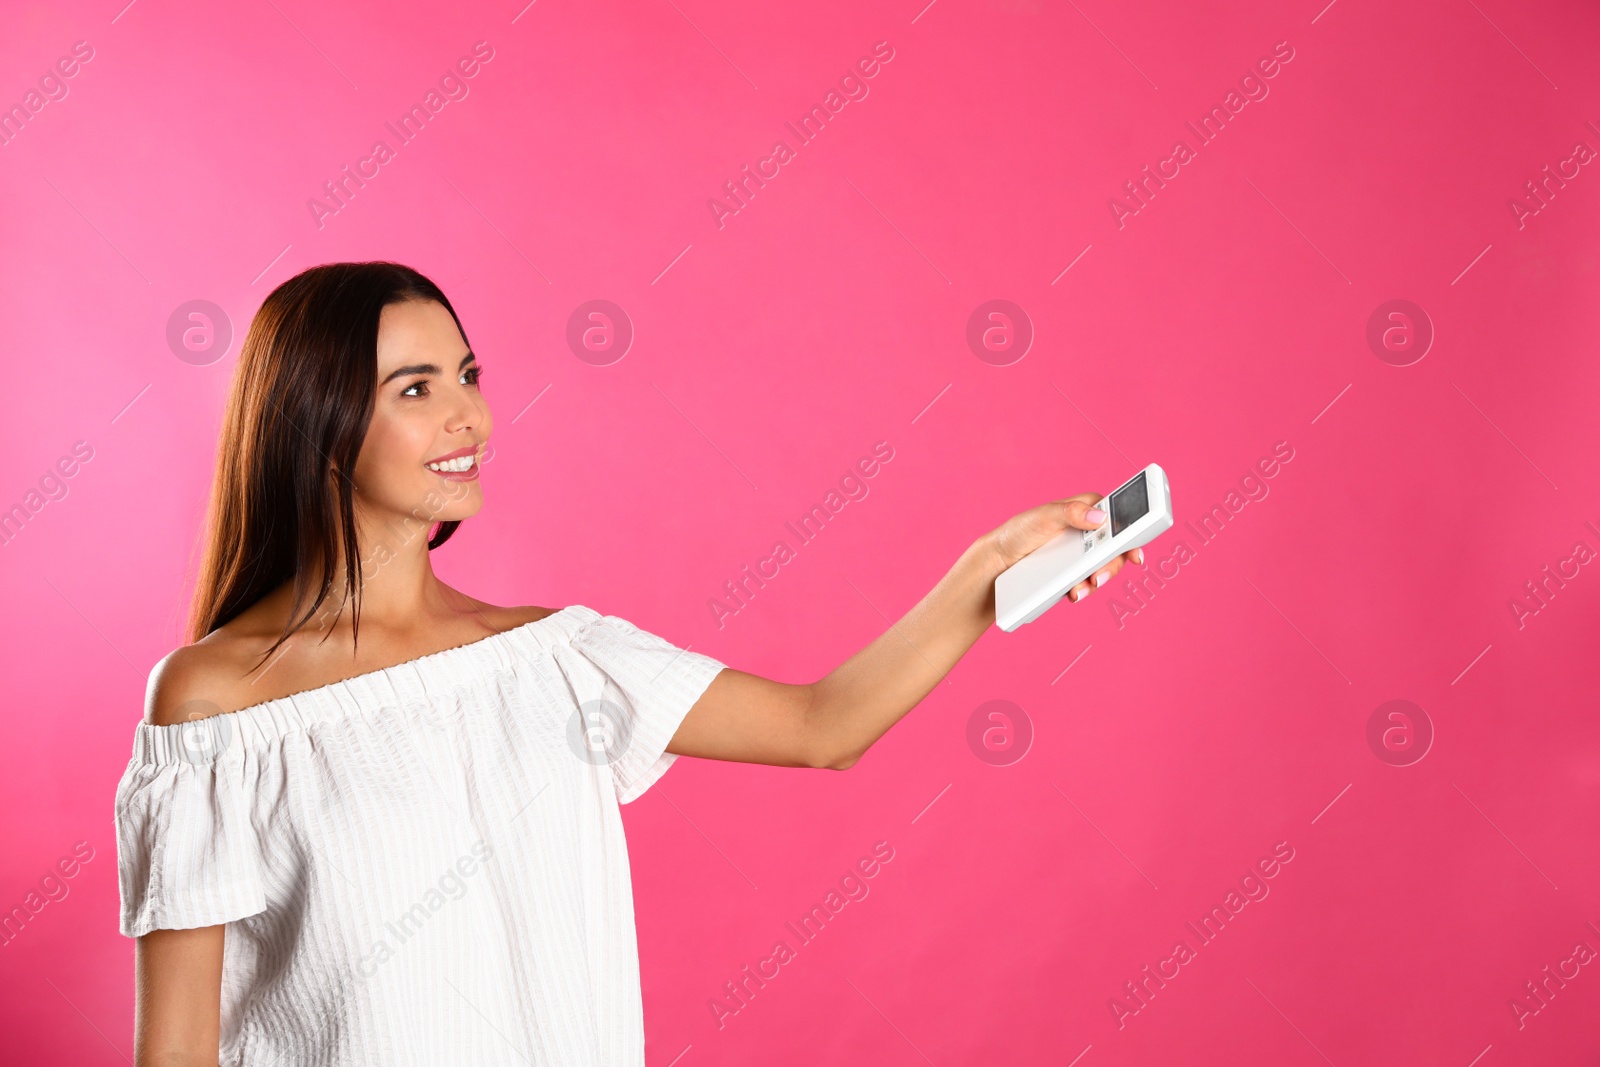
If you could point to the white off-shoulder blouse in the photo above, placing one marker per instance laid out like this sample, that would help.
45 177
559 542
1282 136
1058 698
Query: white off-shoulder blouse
424 864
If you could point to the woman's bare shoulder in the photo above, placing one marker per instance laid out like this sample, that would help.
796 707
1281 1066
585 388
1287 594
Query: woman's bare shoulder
214 675
199 680
503 619
217 673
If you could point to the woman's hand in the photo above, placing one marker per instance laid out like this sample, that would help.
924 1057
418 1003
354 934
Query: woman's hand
1023 533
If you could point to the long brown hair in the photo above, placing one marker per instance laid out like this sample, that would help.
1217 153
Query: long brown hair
282 502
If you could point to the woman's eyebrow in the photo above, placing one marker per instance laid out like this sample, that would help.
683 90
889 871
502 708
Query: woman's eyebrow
424 368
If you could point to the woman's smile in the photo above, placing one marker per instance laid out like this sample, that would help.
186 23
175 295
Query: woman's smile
458 466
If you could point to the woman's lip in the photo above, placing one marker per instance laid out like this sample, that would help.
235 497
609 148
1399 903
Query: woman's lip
457 454
468 475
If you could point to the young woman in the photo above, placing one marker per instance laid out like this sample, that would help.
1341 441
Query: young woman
370 819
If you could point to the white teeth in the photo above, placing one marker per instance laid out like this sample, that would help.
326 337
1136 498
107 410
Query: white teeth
461 463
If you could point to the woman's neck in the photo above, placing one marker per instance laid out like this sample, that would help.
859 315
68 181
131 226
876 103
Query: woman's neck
399 590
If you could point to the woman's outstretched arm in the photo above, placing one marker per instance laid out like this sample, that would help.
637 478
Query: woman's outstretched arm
833 721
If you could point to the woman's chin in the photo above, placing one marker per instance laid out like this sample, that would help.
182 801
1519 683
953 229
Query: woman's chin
453 492
441 502
458 510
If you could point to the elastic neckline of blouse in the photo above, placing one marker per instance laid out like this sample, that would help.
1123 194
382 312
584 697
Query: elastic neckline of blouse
204 741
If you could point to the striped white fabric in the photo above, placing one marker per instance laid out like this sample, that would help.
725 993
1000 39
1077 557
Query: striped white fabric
424 864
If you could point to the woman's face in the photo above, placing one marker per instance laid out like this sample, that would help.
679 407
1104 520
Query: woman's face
428 411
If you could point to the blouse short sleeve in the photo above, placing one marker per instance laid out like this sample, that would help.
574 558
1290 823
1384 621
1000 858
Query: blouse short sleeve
187 855
647 685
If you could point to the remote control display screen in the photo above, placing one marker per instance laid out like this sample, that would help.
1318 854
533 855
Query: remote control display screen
1129 504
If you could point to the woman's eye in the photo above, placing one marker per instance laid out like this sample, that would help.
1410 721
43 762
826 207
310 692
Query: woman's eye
471 375
415 385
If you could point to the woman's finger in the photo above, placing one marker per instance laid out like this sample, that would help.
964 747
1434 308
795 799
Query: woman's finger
1097 579
1084 512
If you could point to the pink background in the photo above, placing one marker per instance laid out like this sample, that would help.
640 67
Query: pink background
1229 314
